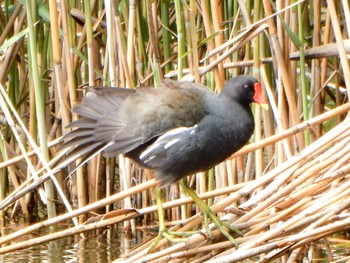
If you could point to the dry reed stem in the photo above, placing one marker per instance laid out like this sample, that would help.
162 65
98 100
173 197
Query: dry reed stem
322 51
339 39
311 215
7 106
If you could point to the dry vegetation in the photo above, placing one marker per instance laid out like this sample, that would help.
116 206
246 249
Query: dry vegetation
287 191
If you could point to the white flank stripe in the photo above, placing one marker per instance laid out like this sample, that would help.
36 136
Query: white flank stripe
149 150
167 145
173 132
194 129
149 159
163 138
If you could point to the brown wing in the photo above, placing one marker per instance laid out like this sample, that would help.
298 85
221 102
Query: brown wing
126 119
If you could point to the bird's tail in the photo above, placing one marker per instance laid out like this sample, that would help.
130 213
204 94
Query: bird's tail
101 121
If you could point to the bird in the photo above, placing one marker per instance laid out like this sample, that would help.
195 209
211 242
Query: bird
175 130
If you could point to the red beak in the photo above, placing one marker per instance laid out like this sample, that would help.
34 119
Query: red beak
258 97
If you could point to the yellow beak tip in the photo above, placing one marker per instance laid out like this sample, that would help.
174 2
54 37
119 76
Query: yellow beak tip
265 106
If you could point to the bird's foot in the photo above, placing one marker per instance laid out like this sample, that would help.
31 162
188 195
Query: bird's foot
171 236
222 226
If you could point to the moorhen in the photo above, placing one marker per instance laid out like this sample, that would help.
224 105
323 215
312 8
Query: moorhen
176 130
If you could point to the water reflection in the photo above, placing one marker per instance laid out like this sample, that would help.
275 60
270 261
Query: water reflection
95 246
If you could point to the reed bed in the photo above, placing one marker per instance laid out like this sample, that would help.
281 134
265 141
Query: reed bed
287 191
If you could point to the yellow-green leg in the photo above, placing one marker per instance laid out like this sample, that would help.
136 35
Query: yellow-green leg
163 232
207 213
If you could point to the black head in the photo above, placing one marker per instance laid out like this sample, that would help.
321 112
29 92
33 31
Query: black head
244 89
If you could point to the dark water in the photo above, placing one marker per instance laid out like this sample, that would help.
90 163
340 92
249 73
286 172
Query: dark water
94 246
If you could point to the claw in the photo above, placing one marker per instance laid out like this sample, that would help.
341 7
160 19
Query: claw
169 236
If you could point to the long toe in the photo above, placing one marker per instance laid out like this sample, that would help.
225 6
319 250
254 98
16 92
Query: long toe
172 237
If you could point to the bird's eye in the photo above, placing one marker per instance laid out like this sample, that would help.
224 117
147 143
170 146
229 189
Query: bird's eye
246 86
